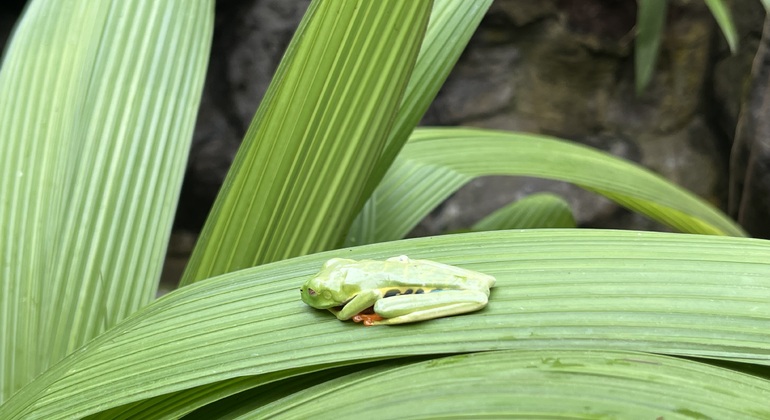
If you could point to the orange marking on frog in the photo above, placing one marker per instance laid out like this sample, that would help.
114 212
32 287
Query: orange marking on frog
367 319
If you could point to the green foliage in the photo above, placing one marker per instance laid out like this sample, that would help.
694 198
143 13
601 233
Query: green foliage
510 384
674 294
650 21
532 212
299 120
650 24
438 161
95 126
101 101
725 21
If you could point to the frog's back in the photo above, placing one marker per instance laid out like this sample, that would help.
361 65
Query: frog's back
406 272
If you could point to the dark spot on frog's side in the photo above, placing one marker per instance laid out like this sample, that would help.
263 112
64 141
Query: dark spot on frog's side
397 292
392 292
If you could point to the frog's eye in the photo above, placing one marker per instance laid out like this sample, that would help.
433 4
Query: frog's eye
311 292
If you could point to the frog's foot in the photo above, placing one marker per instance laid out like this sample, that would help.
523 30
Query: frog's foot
368 317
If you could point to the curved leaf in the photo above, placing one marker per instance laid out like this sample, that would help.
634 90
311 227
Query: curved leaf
535 211
533 384
438 161
692 295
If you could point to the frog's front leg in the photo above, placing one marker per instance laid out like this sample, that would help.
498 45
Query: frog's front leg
359 303
419 307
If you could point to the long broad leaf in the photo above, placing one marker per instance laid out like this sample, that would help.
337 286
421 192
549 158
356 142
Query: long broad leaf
438 161
99 103
533 384
693 295
316 137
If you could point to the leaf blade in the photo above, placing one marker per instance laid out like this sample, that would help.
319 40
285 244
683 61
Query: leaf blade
534 384
691 295
535 211
724 19
451 26
317 133
438 161
652 19
102 99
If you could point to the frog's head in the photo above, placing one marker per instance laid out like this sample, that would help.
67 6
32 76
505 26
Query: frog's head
325 289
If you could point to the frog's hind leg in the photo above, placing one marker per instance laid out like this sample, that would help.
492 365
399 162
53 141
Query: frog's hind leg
412 308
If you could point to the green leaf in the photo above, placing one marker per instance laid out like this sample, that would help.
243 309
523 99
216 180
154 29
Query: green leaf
317 135
438 161
242 402
451 26
692 295
99 104
650 22
725 21
533 384
535 211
